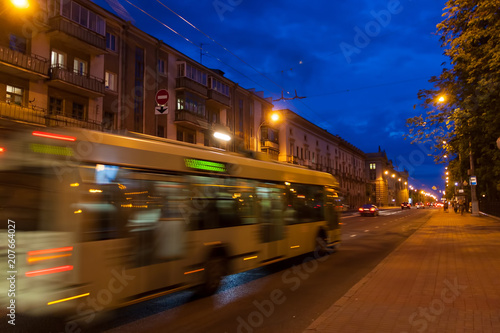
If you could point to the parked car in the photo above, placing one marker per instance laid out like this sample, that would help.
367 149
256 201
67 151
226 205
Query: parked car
405 205
368 210
419 205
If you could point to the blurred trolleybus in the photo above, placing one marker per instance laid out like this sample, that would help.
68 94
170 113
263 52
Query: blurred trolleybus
104 220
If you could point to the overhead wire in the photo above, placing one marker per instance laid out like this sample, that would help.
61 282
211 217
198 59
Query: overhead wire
191 42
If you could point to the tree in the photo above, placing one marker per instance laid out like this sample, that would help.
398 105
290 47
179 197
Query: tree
469 118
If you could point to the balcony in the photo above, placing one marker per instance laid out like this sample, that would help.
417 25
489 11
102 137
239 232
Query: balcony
39 116
214 95
64 79
191 120
187 83
78 36
20 64
270 144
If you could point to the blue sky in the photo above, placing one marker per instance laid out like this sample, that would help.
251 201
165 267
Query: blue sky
360 63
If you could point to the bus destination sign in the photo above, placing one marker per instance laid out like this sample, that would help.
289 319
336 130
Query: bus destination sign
202 165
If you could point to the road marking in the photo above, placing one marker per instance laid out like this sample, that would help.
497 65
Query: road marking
352 235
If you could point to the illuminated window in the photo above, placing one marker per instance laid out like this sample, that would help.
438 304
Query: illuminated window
110 81
58 59
80 67
373 166
14 95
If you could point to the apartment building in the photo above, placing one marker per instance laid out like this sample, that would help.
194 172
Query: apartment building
51 63
72 63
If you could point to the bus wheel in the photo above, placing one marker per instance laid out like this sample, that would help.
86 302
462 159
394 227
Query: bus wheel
215 269
321 247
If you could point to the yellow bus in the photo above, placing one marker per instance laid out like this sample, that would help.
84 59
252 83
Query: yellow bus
92 220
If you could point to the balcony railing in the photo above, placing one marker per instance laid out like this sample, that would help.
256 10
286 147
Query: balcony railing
90 83
40 116
218 97
33 63
191 119
60 23
269 144
184 82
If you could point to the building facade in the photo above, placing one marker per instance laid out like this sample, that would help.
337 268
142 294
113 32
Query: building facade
385 185
72 63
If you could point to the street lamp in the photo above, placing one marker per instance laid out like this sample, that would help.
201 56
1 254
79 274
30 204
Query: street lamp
272 118
222 136
474 202
22 4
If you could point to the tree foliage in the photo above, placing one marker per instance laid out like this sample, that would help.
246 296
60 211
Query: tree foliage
469 118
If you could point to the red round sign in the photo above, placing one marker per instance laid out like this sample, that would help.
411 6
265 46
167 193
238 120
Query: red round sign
162 97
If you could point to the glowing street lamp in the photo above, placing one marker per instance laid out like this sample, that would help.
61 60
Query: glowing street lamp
222 136
273 118
22 4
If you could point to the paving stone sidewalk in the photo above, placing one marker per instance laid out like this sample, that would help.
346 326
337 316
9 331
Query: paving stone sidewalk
443 278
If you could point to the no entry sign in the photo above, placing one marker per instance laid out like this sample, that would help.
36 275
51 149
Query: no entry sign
162 97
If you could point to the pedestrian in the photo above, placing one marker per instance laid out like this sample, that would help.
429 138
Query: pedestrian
445 206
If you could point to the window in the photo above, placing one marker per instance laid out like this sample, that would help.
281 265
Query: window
110 81
55 106
186 135
191 72
161 67
373 166
78 111
17 43
14 95
306 203
219 86
80 67
110 42
83 16
58 59
192 103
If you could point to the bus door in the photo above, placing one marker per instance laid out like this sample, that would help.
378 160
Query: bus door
271 203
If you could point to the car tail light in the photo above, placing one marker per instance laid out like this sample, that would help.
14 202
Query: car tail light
361 209
372 209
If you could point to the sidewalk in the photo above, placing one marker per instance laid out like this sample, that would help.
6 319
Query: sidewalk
443 278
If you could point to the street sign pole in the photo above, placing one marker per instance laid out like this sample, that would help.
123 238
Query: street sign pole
161 108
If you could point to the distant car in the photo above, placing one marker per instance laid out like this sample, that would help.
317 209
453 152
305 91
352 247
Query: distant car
368 210
419 205
405 205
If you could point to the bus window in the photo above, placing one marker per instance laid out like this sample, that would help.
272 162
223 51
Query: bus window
37 198
271 205
307 201
221 202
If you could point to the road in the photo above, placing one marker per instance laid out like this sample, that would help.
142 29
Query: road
285 297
